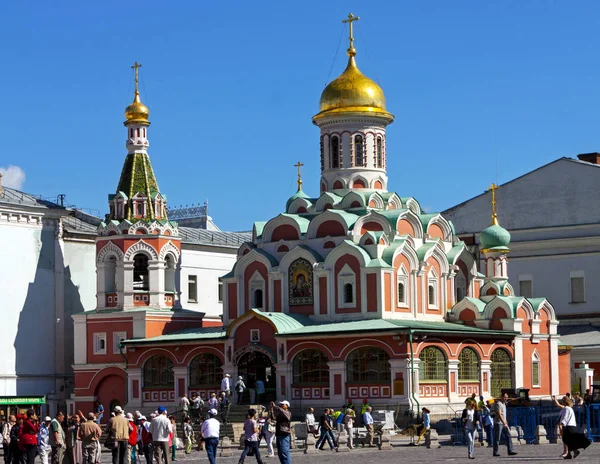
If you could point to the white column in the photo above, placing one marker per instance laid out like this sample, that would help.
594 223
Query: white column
453 380
100 286
156 274
402 368
132 376
518 362
125 284
486 378
180 373
554 370
80 339
337 368
283 370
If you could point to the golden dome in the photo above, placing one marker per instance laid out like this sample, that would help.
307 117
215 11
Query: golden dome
137 112
352 92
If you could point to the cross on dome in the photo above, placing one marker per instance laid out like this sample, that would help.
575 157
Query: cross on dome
350 20
137 66
493 189
299 181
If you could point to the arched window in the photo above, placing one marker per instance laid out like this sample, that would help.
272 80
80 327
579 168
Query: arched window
431 295
140 273
170 274
158 372
501 371
432 286
110 275
468 367
358 150
401 293
310 368
433 365
140 208
322 155
348 293
205 370
379 152
368 365
535 369
461 286
402 282
258 298
335 152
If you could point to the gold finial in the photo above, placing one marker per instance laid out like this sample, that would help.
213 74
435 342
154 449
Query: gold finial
350 20
493 189
299 165
137 67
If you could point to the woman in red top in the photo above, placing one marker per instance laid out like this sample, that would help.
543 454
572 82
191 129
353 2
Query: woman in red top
28 436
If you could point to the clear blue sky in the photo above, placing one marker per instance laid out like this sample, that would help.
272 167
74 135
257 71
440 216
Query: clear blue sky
482 92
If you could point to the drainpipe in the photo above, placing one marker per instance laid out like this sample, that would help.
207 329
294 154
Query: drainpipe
126 372
412 372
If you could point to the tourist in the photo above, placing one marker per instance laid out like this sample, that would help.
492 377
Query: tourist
368 423
577 400
488 423
225 385
282 417
89 434
210 433
213 402
118 430
99 411
251 437
197 405
184 402
426 430
173 438
159 430
267 424
349 405
501 427
469 419
223 402
567 425
325 429
74 447
240 386
349 426
44 448
252 389
260 390
146 439
310 422
5 437
587 398
57 438
29 433
132 441
188 435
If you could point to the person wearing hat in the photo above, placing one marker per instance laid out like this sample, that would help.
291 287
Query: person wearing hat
132 441
282 416
118 431
226 385
210 432
160 430
74 446
28 438
240 386
5 438
145 439
44 447
89 434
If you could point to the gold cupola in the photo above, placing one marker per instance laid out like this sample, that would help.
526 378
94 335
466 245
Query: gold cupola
352 92
137 112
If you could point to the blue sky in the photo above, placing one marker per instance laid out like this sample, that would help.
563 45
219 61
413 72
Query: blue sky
482 92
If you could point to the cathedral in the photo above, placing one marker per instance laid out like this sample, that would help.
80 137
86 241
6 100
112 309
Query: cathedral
354 293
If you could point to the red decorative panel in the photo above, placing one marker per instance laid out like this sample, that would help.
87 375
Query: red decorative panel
136 388
337 384
323 295
369 391
111 300
433 390
141 299
310 392
467 389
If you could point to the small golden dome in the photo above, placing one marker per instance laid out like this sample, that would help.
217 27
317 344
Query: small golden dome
137 112
352 92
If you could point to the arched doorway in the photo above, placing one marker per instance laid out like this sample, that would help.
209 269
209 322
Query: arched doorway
256 365
501 372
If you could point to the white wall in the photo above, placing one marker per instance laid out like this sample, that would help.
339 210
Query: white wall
208 266
27 311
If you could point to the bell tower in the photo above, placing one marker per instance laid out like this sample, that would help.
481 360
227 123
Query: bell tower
353 120
137 247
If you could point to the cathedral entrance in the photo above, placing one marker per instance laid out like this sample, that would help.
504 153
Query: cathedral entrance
255 366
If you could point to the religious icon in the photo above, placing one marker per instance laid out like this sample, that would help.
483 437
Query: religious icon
300 281
255 335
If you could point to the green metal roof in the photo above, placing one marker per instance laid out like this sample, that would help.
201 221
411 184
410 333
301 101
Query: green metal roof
536 303
377 262
298 194
454 252
302 222
512 302
388 253
349 218
318 258
260 227
202 333
422 250
269 256
480 305
392 216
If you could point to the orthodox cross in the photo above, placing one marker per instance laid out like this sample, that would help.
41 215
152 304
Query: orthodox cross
137 67
493 189
350 20
299 165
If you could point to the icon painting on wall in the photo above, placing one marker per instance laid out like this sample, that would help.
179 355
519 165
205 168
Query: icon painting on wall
300 283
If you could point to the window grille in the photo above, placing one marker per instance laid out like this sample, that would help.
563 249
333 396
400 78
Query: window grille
158 372
310 368
205 370
368 365
433 365
501 372
468 367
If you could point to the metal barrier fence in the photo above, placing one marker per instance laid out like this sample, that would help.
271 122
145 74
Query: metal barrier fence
526 419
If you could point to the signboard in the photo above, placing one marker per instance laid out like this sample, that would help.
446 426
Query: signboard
20 400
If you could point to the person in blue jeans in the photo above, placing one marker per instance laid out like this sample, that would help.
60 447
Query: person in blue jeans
326 431
501 427
210 432
282 417
488 424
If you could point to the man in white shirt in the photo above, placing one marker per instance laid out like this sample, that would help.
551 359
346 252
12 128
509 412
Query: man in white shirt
160 429
501 427
368 422
210 432
225 385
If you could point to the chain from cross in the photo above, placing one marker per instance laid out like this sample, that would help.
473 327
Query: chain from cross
137 67
350 20
299 165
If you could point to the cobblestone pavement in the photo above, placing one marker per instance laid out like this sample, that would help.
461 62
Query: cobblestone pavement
411 454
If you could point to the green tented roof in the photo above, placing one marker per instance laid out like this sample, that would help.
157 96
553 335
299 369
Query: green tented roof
536 303
388 253
259 226
298 194
454 252
392 216
349 218
302 222
377 262
422 250
480 305
512 302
